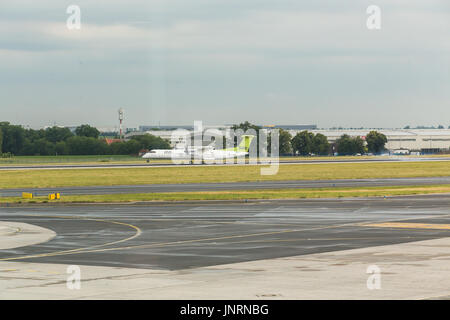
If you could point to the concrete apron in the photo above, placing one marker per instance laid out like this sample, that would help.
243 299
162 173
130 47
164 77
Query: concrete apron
17 234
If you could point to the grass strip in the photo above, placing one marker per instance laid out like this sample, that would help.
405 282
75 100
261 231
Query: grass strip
244 194
215 174
124 159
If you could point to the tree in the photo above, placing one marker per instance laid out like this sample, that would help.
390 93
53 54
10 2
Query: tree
285 146
359 145
126 148
376 142
13 138
246 126
149 142
86 130
302 143
86 146
56 134
306 143
347 145
42 147
61 148
320 145
32 135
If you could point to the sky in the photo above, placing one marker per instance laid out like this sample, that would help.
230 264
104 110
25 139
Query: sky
173 62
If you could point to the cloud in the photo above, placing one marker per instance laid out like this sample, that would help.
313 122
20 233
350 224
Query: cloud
173 59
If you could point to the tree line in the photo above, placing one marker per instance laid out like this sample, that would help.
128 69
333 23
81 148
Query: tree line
86 140
307 143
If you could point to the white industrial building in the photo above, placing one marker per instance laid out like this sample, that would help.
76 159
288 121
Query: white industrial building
177 138
419 140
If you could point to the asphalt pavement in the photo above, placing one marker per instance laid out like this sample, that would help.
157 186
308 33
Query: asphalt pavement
180 236
294 184
155 164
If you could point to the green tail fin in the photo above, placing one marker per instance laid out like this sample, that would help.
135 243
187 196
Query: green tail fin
244 145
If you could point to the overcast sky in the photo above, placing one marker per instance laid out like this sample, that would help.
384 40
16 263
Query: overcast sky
225 61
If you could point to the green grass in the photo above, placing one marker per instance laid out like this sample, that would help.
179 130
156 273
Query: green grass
105 159
164 175
66 159
244 194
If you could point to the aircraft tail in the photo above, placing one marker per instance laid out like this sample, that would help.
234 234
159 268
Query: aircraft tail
244 145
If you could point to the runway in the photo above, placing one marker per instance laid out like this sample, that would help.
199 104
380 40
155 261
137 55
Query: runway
159 165
297 184
181 236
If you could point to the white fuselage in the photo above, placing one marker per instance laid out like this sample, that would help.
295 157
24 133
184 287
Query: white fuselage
193 154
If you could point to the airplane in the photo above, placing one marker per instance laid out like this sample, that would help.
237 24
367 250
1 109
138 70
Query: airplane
202 153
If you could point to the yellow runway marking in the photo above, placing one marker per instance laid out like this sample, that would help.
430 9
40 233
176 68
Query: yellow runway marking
312 239
71 251
180 242
409 225
226 237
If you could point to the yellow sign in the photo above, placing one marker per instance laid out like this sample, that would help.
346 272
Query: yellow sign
27 195
54 196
